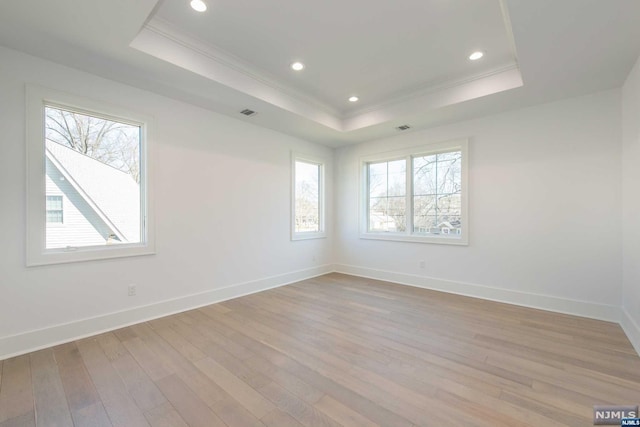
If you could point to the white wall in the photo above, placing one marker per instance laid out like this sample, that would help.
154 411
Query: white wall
222 213
631 205
544 202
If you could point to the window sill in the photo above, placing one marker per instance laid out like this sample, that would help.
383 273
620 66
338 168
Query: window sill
308 236
88 253
397 237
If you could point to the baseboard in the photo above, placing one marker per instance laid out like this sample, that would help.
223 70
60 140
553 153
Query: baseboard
631 328
27 342
609 313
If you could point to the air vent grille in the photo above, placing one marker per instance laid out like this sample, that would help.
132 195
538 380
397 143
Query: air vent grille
403 127
247 112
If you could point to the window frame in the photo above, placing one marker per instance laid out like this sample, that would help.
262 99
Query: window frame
314 160
36 252
408 154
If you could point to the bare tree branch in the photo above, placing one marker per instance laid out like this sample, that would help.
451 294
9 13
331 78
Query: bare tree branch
115 144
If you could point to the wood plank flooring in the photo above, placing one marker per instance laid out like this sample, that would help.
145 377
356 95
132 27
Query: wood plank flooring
332 351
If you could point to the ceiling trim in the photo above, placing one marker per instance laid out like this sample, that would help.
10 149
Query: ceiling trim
506 19
164 29
163 40
509 78
429 87
423 90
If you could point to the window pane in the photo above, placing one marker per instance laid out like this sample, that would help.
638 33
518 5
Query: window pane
449 172
437 200
387 196
378 214
450 205
424 175
397 213
397 185
54 217
378 179
424 208
54 209
307 197
95 164
54 203
425 224
387 214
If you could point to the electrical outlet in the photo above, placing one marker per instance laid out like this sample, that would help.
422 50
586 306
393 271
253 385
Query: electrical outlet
422 264
132 290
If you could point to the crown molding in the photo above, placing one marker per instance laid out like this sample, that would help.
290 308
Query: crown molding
168 31
427 89
508 27
163 40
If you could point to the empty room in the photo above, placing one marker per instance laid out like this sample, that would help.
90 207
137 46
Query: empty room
338 213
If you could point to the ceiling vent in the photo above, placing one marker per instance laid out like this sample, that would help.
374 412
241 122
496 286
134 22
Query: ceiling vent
248 112
403 127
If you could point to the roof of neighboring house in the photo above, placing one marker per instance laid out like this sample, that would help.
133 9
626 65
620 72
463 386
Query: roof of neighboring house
112 193
446 224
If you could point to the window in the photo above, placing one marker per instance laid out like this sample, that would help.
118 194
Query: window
307 218
437 193
387 196
93 157
419 194
54 210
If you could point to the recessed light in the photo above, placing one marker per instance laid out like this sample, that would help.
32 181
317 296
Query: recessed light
297 66
476 55
353 99
198 5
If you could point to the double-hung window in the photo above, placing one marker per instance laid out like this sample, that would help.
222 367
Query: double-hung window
417 194
54 210
88 192
307 194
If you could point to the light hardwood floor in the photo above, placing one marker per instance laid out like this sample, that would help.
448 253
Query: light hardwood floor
331 351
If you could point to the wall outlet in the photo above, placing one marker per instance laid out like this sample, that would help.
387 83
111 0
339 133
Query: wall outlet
422 264
132 290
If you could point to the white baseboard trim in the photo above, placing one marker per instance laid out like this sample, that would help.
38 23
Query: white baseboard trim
609 313
631 328
15 345
27 342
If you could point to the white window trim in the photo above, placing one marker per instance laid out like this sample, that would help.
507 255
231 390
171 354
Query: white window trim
321 197
408 153
36 252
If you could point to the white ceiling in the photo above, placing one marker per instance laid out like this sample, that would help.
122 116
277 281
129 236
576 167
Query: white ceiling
350 47
406 60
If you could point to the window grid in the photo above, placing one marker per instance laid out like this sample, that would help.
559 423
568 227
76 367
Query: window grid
387 210
443 220
434 203
54 210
